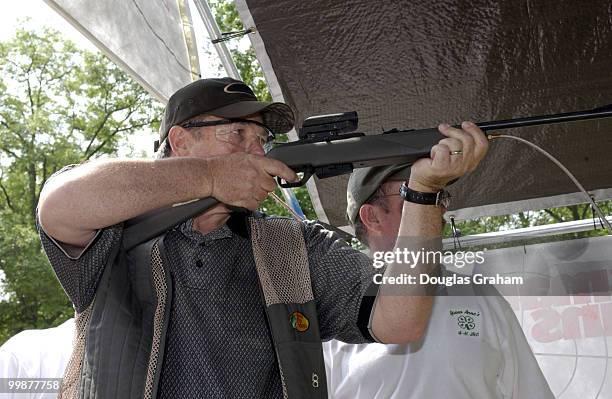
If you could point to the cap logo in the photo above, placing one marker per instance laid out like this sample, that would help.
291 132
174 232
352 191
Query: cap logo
238 88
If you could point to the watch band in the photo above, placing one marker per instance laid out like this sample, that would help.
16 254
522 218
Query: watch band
441 198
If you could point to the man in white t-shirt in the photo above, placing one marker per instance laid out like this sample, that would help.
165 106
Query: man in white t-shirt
34 354
473 346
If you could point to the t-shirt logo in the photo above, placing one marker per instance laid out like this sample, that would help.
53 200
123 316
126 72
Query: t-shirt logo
468 322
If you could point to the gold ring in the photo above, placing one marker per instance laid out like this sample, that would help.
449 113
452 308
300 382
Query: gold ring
457 152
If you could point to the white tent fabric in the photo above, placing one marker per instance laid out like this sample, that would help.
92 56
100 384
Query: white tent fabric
151 40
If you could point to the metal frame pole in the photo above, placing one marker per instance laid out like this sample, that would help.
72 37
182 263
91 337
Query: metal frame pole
214 32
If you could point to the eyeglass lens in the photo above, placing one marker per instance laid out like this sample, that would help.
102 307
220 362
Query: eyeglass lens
242 133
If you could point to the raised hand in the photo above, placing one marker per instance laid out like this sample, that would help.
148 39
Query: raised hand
459 153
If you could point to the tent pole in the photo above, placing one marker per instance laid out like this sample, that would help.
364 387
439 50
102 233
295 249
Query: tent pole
214 32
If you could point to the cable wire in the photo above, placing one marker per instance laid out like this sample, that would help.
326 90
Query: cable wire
286 206
590 199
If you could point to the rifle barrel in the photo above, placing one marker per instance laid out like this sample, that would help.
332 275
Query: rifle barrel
601 112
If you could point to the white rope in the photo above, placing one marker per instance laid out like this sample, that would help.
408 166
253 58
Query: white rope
601 215
286 206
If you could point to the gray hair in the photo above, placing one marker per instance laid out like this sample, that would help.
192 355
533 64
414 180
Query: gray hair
165 149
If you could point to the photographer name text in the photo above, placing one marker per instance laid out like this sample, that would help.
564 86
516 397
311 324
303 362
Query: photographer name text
477 278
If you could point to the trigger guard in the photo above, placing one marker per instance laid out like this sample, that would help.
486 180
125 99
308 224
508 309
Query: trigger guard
303 180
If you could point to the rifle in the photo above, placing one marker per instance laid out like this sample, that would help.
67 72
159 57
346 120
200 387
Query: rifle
329 146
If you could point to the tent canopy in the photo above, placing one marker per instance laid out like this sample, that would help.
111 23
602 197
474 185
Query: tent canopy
414 64
152 41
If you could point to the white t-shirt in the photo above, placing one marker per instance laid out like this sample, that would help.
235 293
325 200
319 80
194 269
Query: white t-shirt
36 354
473 348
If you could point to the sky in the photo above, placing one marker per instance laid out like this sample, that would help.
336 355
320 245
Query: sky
40 14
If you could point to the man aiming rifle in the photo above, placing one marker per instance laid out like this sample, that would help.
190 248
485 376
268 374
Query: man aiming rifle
204 309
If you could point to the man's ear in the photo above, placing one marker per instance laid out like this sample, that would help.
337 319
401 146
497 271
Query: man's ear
369 215
179 140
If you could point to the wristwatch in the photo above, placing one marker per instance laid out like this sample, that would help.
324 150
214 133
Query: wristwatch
441 198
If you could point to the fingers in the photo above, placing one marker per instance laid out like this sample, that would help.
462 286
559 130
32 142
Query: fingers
474 142
452 143
443 166
466 139
481 144
440 156
276 168
254 196
259 194
268 185
245 180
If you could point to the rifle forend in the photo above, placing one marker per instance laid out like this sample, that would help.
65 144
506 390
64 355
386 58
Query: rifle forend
341 155
324 151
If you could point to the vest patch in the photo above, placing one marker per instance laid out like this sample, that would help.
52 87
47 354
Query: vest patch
299 322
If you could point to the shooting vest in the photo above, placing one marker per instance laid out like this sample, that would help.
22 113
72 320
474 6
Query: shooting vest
120 338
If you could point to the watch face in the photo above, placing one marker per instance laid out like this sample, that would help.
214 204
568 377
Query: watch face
445 202
441 198
444 199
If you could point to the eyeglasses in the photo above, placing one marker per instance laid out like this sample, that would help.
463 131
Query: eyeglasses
379 194
237 131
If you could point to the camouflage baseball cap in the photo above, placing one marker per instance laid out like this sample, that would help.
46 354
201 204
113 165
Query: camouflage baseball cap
365 181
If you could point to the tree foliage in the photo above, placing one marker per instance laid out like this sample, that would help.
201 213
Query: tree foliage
226 16
59 105
534 218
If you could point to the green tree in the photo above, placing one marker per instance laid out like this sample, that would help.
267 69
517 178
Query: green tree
58 105
228 20
534 218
